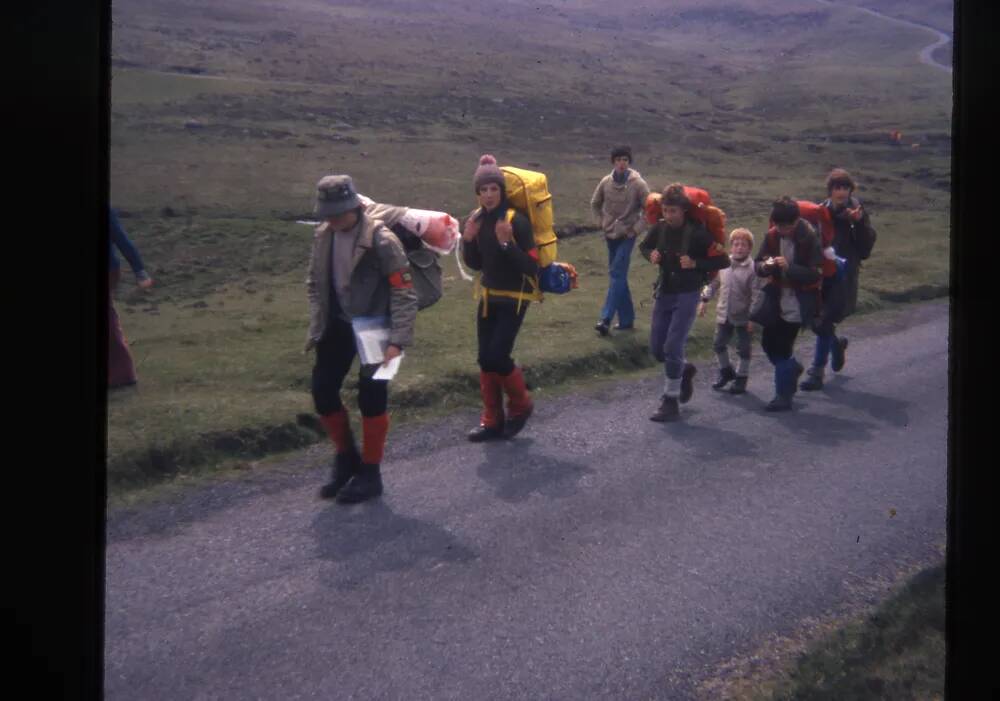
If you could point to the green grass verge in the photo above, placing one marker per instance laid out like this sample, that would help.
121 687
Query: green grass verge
897 652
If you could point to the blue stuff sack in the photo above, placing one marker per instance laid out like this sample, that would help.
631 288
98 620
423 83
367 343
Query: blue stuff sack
555 278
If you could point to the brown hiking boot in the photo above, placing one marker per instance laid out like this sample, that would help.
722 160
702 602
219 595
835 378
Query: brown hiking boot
668 411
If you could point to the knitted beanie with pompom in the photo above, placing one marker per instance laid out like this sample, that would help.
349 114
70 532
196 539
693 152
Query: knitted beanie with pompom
488 172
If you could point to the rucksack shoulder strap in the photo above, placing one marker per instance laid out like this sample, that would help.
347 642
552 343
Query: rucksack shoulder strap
686 238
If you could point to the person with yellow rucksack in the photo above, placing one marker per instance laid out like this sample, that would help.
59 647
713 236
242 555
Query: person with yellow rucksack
498 241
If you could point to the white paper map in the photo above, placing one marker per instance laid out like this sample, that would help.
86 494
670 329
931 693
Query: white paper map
372 335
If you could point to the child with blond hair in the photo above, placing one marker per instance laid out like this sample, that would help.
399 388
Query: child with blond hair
737 288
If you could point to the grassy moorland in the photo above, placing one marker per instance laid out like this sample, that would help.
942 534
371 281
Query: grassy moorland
225 114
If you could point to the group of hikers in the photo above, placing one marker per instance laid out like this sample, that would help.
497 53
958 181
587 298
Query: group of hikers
799 279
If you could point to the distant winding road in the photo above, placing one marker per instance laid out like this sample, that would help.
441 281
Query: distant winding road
926 54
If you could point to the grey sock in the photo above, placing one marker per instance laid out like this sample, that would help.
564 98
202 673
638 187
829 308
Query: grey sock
743 367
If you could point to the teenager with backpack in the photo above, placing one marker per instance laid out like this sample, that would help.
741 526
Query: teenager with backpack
617 204
498 241
358 268
791 256
853 239
685 253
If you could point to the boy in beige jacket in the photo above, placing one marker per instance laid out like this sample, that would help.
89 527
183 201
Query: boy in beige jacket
617 204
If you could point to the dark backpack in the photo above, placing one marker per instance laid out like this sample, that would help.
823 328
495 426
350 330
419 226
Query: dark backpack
424 267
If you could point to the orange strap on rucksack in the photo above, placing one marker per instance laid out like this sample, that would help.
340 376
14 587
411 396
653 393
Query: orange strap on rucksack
702 210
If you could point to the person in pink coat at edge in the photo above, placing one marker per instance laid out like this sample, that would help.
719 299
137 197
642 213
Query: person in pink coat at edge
121 366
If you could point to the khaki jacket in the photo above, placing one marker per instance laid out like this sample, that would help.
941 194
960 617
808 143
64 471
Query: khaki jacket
377 255
619 208
737 286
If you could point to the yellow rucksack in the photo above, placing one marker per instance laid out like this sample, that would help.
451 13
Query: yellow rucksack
528 192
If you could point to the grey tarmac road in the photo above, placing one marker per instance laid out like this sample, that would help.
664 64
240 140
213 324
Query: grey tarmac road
597 556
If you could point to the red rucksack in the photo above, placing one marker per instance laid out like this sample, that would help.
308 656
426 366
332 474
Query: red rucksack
821 220
702 210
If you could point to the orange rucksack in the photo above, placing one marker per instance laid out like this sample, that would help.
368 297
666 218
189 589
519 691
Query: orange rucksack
821 220
702 210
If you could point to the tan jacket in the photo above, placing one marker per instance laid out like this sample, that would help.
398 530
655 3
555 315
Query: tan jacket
618 208
737 286
378 254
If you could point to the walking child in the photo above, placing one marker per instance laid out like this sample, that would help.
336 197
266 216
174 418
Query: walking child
738 286
684 251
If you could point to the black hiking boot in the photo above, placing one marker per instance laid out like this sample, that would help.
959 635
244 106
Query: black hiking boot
485 433
838 354
687 383
726 375
779 403
602 327
345 466
814 382
739 385
668 411
513 425
366 484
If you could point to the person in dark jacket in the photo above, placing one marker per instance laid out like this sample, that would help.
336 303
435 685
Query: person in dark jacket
685 251
791 256
853 239
358 268
498 241
121 366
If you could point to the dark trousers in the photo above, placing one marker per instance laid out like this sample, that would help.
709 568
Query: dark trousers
497 333
334 356
836 297
778 342
723 334
673 317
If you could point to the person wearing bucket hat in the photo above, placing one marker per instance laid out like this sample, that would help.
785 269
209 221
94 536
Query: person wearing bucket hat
358 268
503 248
